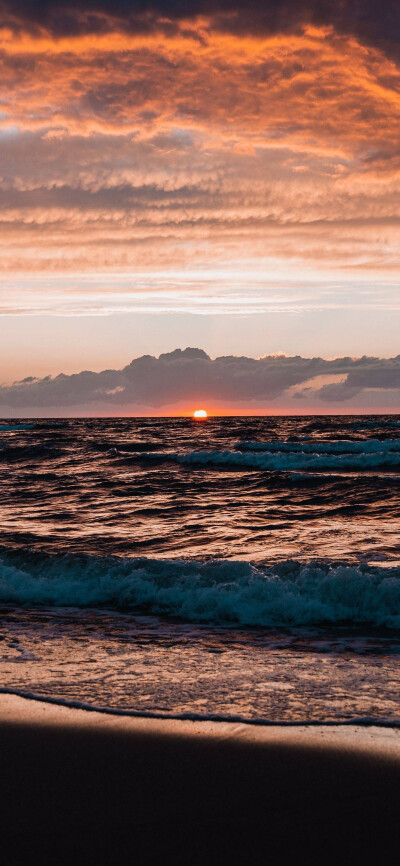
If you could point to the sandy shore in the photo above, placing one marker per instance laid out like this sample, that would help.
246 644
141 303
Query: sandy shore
80 787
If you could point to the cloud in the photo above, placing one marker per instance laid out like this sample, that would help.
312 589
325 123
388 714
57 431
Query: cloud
131 149
374 373
191 377
149 136
371 20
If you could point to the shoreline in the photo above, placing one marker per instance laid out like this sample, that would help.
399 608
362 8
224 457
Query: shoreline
89 787
164 716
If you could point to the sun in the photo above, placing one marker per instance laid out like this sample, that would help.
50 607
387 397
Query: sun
200 414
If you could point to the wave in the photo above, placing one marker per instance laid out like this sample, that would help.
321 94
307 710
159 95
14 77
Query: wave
11 428
281 461
336 446
126 448
221 592
37 451
374 422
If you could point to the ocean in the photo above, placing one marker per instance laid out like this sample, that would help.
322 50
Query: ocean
235 568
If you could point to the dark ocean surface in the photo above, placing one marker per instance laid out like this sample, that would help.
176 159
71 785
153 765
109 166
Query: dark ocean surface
236 567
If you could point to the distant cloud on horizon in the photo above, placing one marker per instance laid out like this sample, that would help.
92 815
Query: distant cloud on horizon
189 378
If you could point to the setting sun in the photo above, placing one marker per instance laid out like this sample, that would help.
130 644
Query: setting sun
200 414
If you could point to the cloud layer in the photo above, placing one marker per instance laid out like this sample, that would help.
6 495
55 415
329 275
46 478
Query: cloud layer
147 137
186 379
375 20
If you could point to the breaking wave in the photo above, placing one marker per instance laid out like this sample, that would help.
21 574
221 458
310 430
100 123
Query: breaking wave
336 446
221 592
278 459
11 428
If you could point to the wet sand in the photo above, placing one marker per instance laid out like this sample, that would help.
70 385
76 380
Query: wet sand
81 787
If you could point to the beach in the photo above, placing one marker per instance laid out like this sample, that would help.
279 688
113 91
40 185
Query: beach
86 787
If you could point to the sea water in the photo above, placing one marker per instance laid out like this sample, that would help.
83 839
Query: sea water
241 568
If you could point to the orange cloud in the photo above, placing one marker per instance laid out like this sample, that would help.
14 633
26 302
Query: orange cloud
134 150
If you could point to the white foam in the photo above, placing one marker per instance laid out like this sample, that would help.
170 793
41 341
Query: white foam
287 461
364 721
286 456
218 591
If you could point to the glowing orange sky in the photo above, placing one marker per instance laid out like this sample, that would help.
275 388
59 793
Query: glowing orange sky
185 169
159 151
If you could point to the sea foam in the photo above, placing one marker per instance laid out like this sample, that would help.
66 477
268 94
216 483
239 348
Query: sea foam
217 592
281 459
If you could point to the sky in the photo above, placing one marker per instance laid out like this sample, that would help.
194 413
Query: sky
216 175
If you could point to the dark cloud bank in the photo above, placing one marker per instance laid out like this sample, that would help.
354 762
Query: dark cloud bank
376 21
191 377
